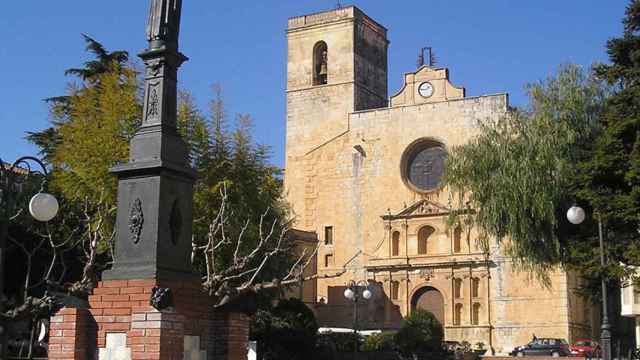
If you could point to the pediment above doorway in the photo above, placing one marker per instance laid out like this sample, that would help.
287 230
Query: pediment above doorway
420 209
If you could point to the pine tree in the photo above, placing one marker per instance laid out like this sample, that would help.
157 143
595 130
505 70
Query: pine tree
60 108
610 176
193 128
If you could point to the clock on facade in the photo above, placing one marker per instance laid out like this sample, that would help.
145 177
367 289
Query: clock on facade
425 89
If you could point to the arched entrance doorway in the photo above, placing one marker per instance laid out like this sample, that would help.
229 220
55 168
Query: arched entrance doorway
430 299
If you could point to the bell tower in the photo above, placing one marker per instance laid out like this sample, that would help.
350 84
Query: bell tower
336 64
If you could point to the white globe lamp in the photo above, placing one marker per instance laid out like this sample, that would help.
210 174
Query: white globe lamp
348 293
366 294
43 207
575 215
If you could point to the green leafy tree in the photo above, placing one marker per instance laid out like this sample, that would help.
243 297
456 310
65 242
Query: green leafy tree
102 62
420 336
608 180
95 137
517 173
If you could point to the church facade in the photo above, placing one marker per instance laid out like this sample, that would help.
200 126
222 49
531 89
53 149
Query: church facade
363 173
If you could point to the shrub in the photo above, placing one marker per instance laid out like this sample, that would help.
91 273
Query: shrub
420 335
379 342
342 342
287 331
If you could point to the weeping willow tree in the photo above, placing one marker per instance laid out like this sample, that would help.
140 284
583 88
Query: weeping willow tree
514 181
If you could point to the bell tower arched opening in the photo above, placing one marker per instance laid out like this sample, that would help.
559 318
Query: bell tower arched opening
320 63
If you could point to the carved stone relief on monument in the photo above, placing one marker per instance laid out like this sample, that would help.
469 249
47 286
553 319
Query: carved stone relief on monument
153 102
136 220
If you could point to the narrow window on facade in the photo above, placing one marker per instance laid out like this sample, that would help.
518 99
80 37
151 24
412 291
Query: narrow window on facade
457 238
395 289
320 63
475 287
328 235
395 243
475 314
328 260
457 314
636 296
423 239
457 288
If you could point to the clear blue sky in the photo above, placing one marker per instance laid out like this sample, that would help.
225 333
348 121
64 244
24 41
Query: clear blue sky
489 46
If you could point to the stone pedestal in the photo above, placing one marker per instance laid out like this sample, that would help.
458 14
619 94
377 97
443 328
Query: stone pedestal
122 325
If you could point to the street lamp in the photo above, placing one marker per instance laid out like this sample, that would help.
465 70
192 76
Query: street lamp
354 292
576 216
42 207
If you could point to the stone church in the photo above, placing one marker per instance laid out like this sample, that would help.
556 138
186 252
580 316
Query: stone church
363 171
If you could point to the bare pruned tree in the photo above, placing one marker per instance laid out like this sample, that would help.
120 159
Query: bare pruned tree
244 274
46 257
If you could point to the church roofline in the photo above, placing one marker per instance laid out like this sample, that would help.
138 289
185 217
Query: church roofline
432 103
329 16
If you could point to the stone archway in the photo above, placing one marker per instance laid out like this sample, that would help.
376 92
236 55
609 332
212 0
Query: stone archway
430 299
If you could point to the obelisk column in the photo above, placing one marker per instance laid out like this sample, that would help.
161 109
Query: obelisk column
149 305
155 188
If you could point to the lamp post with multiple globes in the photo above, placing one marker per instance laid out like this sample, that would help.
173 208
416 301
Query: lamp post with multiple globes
42 207
355 291
576 216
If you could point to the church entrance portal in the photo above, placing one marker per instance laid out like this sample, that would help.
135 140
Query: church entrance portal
430 299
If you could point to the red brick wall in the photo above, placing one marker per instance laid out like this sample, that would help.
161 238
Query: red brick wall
123 306
69 338
230 335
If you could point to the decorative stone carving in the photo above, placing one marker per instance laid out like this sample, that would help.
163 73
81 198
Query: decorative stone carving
136 220
161 298
154 67
427 274
153 102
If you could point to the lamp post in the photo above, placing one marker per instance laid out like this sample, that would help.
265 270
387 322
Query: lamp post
576 216
42 207
355 291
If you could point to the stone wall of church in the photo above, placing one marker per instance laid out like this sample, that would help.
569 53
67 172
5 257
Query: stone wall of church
343 174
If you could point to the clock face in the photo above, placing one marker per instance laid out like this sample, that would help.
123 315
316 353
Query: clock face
425 89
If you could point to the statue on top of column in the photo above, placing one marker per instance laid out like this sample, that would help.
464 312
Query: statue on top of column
163 25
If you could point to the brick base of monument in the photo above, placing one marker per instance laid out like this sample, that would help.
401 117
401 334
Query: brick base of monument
121 324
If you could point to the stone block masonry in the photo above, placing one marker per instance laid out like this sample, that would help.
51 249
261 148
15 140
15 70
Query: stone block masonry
121 324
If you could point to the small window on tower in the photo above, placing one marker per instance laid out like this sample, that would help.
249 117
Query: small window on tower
320 63
328 260
328 235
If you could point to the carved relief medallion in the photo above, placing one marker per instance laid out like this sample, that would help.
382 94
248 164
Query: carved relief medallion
136 220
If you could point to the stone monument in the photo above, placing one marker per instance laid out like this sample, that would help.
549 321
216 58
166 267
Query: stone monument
150 305
155 188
